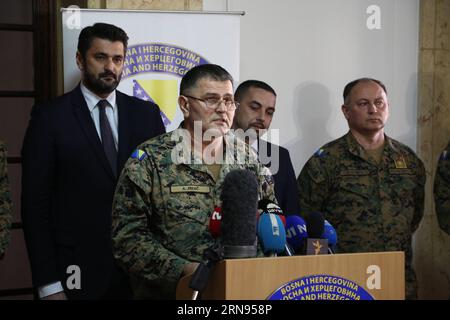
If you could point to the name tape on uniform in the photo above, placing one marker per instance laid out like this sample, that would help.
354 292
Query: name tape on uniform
198 189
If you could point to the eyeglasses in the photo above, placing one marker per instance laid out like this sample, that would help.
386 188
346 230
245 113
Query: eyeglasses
213 103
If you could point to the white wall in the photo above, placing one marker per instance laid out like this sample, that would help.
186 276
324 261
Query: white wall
309 49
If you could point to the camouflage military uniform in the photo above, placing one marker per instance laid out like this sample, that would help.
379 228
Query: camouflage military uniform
374 207
442 190
5 202
161 211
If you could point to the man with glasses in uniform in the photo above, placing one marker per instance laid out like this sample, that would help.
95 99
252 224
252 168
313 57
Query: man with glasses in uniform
171 185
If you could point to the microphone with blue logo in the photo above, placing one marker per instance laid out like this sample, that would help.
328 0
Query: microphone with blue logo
271 234
330 234
268 233
296 232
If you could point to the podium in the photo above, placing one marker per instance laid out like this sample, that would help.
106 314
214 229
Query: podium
377 275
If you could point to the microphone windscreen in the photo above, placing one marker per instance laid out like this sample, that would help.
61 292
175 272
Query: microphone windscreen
314 224
296 231
329 233
239 198
271 233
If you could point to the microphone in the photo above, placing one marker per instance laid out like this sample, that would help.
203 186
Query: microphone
296 232
314 224
214 222
239 207
330 234
271 234
267 206
315 244
237 239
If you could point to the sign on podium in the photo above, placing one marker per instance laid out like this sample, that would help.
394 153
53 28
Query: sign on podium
357 276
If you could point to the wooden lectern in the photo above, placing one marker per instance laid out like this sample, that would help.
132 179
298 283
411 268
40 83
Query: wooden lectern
380 274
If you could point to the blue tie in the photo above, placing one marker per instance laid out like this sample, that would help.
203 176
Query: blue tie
107 136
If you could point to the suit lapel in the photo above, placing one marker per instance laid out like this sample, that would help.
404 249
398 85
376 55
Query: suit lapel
87 125
124 130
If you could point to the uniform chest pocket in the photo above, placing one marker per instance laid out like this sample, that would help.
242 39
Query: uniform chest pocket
403 184
355 184
352 199
188 204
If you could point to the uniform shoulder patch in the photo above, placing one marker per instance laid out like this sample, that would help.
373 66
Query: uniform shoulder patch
139 154
320 153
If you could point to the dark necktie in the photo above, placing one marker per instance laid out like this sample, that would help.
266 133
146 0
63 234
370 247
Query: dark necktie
107 136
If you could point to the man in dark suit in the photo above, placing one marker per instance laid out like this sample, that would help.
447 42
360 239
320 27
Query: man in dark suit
256 109
74 149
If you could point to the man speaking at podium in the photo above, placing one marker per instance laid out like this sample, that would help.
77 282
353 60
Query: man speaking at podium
171 184
369 186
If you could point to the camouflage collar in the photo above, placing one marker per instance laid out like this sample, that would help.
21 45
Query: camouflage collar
355 148
236 151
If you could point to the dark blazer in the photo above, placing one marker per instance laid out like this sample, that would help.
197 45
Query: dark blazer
68 188
285 180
